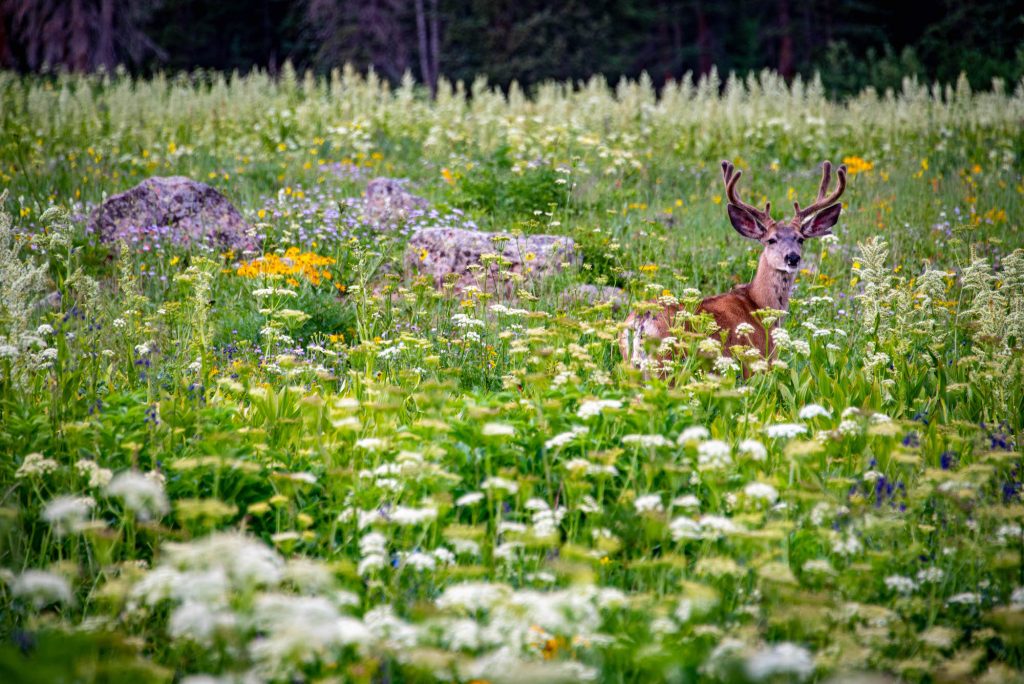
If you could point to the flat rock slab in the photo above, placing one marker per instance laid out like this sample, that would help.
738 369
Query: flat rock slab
438 252
176 209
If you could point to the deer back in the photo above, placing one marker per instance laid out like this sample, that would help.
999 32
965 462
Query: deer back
730 310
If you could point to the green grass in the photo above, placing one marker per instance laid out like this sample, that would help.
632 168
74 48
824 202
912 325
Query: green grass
404 493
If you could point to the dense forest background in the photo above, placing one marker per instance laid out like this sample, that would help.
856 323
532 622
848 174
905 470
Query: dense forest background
851 43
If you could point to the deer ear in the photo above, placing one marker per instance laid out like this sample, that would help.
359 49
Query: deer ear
821 223
745 223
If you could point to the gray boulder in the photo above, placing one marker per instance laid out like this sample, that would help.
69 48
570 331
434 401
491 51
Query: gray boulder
174 208
388 203
438 252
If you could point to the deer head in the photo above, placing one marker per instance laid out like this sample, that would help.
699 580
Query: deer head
783 240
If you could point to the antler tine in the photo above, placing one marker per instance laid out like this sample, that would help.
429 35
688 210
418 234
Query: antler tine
822 200
727 171
730 189
826 179
732 176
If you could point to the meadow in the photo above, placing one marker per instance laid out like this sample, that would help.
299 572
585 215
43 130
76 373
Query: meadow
308 465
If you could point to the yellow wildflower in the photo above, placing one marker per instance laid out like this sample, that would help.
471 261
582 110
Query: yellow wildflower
855 165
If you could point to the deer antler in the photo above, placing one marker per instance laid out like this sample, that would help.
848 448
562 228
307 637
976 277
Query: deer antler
822 200
731 175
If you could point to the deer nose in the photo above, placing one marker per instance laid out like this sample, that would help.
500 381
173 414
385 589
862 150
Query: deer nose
792 259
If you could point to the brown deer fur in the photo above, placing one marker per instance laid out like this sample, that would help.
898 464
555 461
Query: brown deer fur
771 285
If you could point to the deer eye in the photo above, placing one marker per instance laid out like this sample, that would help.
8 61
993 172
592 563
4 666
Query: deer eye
772 241
800 240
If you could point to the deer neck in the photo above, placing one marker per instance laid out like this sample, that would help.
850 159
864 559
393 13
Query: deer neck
770 287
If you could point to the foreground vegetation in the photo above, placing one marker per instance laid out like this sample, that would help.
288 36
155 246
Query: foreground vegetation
306 465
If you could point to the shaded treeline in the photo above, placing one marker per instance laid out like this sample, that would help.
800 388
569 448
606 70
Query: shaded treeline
852 43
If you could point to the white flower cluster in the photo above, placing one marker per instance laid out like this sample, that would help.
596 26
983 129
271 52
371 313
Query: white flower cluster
562 439
594 407
143 494
647 441
706 527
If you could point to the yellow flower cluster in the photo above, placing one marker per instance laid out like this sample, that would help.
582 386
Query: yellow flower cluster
855 165
294 262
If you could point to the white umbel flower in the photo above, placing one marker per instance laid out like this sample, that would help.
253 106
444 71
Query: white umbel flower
67 514
41 588
814 411
144 495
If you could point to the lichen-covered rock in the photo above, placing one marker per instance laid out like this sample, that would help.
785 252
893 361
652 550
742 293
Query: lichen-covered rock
438 252
388 203
176 209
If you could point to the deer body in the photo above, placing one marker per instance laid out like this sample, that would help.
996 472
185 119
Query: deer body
770 287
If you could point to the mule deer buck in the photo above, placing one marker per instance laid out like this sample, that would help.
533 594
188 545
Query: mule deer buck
776 270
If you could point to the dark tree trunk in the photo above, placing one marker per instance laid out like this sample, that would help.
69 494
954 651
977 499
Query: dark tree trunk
424 43
704 37
105 54
435 47
786 61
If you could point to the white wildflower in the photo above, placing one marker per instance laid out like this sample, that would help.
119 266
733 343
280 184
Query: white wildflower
443 556
647 441
469 499
726 364
496 483
299 629
35 464
694 433
714 454
498 430
472 596
785 430
818 566
717 526
847 546
761 491
930 575
784 659
68 513
966 598
405 516
650 503
813 411
417 560
41 588
564 438
199 622
687 501
753 449
900 584
801 347
465 547
594 407
685 528
143 495
849 427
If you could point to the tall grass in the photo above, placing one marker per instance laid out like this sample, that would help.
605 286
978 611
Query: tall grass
307 464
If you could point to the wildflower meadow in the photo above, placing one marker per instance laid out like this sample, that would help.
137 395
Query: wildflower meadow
307 462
